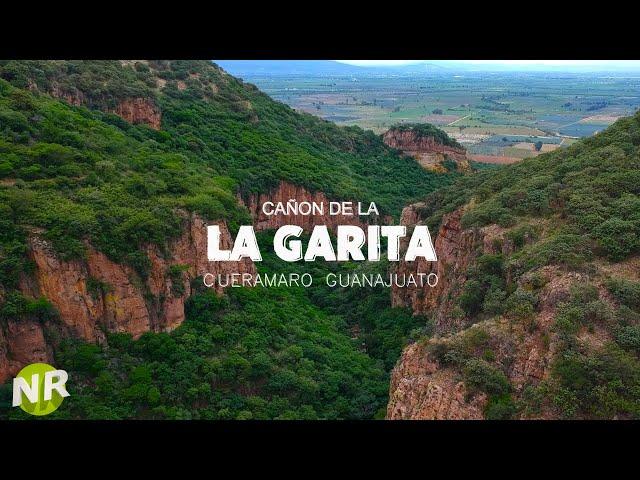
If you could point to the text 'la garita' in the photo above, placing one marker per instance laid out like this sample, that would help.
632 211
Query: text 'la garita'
350 243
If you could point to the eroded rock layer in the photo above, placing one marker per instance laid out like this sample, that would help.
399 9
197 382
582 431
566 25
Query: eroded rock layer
427 150
431 378
96 295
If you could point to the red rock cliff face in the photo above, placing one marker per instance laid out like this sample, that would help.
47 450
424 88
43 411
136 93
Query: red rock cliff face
423 388
284 193
420 387
139 110
125 303
456 249
21 343
426 150
75 97
135 110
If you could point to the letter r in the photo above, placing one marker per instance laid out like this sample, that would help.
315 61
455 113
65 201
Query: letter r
61 378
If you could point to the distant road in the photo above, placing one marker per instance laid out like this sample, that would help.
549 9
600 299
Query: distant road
456 121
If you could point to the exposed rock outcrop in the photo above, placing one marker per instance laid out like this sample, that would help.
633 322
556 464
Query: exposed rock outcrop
420 390
96 295
456 249
422 386
135 110
119 304
427 150
139 110
72 97
21 342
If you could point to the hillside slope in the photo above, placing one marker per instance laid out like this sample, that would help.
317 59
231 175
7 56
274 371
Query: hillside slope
229 126
109 173
536 314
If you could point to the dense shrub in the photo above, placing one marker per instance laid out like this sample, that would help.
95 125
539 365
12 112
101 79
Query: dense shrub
500 407
521 305
628 337
584 309
592 186
618 238
599 385
17 306
481 375
625 291
484 288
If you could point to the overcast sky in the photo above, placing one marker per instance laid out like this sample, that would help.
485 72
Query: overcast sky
524 63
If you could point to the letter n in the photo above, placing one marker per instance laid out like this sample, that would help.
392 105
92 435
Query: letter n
21 386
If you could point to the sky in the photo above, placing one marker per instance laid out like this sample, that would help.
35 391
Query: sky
514 63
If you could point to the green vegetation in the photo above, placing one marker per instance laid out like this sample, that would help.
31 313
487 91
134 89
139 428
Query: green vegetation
485 286
601 384
16 305
427 130
472 355
381 330
81 175
573 210
231 127
84 174
99 84
626 292
275 353
78 175
596 381
253 354
592 187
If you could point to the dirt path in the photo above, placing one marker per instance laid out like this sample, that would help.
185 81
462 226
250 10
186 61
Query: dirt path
456 121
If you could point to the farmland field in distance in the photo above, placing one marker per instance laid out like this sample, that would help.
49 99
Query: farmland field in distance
500 117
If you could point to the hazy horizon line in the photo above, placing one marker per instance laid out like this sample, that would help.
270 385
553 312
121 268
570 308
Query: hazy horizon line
526 64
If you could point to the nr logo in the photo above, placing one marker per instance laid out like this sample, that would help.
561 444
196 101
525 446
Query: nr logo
39 389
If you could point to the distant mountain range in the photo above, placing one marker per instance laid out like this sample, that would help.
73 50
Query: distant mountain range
324 67
331 67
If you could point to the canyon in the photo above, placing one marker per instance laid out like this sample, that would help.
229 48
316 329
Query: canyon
532 313
95 295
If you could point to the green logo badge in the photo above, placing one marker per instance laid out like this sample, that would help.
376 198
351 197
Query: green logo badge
39 389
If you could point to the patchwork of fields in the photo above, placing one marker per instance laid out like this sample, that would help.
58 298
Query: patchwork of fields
508 116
